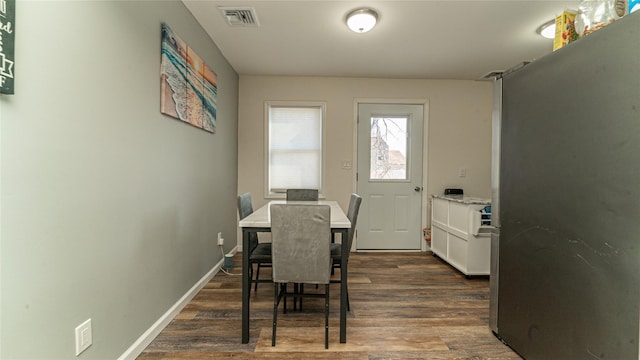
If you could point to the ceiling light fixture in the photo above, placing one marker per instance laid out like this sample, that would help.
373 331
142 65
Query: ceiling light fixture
362 20
548 29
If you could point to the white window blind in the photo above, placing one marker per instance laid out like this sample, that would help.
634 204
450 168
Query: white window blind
295 147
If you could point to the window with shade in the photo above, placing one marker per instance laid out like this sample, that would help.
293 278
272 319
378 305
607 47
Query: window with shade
294 146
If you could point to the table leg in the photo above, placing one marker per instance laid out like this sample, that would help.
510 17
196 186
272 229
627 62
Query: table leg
245 286
343 287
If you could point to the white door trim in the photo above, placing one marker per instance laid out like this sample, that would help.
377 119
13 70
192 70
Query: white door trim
425 151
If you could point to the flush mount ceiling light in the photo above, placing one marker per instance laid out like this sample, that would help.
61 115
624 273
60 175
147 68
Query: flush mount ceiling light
548 29
362 20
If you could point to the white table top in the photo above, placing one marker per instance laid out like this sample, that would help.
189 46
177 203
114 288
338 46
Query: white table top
261 218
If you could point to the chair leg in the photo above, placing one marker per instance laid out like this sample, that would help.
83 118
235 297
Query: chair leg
275 313
257 277
296 287
326 316
348 304
250 277
301 295
283 288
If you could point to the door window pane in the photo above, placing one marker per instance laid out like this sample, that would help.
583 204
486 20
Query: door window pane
388 148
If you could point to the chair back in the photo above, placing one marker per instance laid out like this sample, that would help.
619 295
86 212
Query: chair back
301 240
302 194
245 208
352 214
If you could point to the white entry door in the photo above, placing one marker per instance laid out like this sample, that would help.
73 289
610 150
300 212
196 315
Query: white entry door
389 176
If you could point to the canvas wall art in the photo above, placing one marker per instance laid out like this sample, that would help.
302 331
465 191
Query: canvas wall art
189 88
7 45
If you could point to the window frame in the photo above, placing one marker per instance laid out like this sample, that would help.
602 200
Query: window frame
267 121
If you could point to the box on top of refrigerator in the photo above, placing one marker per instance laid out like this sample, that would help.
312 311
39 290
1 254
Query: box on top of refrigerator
565 29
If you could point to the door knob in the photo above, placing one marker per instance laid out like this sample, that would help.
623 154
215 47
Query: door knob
418 188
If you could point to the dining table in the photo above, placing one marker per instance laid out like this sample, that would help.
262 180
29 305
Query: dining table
260 221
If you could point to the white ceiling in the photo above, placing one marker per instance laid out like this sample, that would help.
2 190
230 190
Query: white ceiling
449 39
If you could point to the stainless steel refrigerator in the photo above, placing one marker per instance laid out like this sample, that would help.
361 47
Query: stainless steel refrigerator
566 250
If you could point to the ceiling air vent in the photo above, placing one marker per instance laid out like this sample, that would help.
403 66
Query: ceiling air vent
240 16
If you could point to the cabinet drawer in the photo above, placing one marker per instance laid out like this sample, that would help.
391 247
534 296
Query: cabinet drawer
458 252
459 217
439 241
440 211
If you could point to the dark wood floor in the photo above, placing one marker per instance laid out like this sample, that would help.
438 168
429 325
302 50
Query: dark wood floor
403 306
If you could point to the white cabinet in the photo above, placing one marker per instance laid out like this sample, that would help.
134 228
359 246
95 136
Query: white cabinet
461 233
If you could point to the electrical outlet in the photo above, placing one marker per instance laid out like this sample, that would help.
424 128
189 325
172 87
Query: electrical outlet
220 239
84 338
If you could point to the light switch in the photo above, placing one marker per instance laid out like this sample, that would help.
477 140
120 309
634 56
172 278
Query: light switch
84 337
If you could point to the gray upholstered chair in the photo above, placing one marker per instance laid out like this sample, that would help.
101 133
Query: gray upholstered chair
336 249
300 254
302 194
259 253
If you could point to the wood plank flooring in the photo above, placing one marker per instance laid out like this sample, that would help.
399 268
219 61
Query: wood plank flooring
403 306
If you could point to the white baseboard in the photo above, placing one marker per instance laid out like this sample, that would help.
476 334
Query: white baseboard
147 337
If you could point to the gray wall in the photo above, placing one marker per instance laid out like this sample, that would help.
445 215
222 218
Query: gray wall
109 209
